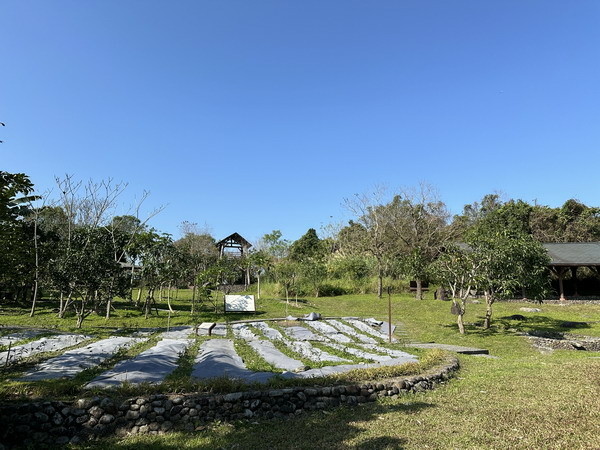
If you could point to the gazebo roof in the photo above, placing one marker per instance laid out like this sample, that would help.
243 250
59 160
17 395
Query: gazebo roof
235 237
574 253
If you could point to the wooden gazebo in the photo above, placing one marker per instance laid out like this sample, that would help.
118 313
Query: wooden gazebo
235 246
567 256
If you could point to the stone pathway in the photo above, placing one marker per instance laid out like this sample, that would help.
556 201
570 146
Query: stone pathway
452 348
75 361
50 344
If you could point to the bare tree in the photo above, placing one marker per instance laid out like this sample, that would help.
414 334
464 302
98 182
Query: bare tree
372 231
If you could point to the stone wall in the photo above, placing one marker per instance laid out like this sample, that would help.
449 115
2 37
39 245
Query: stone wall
567 342
58 423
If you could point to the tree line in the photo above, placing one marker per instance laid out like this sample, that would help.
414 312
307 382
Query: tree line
77 250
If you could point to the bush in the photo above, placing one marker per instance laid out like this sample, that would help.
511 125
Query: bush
329 290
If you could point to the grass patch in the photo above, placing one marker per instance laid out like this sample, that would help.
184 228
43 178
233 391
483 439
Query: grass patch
252 359
521 400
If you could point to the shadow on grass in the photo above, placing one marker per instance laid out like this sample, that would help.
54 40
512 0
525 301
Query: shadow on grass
539 324
520 324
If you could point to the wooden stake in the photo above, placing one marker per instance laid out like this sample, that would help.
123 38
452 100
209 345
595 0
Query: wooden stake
389 289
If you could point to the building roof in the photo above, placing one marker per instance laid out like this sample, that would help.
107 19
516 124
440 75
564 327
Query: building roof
236 238
574 253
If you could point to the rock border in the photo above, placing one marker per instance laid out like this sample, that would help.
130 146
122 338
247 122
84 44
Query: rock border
60 423
565 341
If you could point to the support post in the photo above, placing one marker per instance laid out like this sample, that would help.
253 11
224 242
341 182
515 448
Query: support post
389 289
574 277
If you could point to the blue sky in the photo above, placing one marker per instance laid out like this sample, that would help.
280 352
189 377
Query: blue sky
250 116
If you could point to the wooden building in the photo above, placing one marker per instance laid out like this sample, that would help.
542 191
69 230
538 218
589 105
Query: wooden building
235 246
569 256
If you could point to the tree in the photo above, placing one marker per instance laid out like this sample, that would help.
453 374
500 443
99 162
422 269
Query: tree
88 217
457 268
286 274
259 262
495 260
420 220
221 275
157 256
87 271
473 212
308 247
313 272
372 232
15 198
510 259
309 253
199 250
17 236
274 245
572 222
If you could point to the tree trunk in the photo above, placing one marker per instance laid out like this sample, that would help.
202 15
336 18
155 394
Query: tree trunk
461 326
419 292
147 304
169 300
489 299
459 308
37 268
60 305
459 321
380 283
131 282
139 296
258 287
64 306
34 300
108 306
81 311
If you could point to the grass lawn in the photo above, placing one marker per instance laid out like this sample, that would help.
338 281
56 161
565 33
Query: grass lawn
522 399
